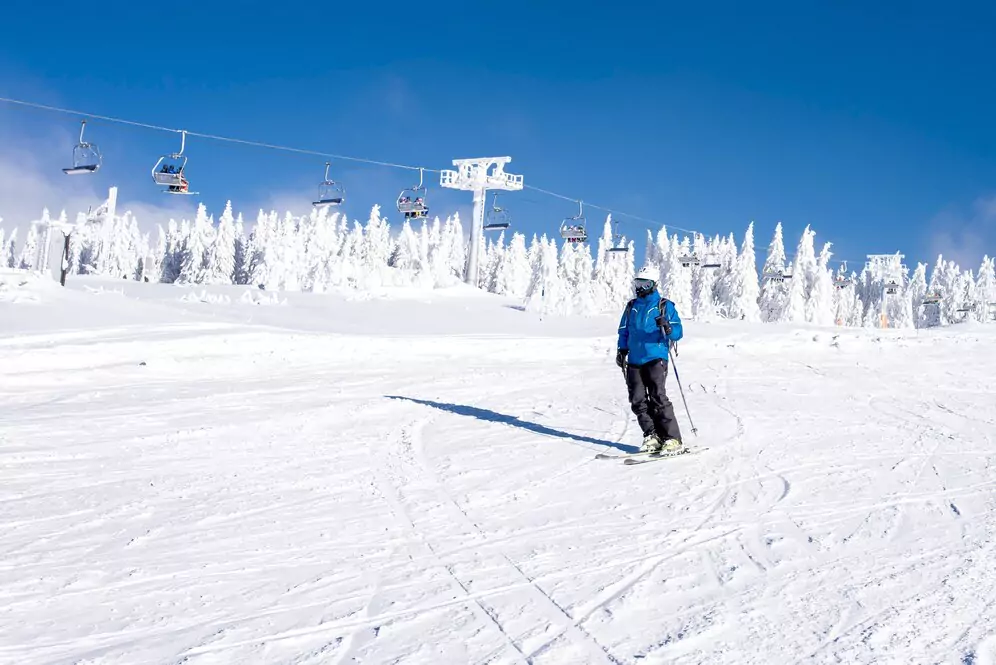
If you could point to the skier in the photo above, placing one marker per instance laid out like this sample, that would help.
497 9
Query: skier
648 326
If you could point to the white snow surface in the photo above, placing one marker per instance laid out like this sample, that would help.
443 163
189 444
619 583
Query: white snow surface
411 478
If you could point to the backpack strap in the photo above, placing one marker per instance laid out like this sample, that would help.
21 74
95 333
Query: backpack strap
629 308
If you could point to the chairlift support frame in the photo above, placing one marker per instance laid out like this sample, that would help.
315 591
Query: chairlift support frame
330 193
174 181
410 206
575 229
86 156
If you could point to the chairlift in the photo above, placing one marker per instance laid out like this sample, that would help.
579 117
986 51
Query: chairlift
413 204
330 193
892 287
86 156
574 229
498 219
168 171
778 276
966 308
711 262
689 260
842 281
932 298
617 240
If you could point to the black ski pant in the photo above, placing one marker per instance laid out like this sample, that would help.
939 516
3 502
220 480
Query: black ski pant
649 400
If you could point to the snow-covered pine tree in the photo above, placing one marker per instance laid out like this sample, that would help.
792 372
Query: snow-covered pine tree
725 277
614 271
916 291
820 303
29 251
547 293
702 280
676 281
221 255
803 276
194 267
746 291
8 258
985 290
774 292
514 273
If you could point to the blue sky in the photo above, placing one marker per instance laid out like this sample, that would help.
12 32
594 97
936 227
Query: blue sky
873 122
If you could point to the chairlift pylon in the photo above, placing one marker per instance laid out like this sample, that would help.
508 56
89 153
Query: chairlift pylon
86 156
497 218
168 171
413 205
330 193
574 229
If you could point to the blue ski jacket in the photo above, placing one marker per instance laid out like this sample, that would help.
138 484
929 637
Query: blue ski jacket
639 332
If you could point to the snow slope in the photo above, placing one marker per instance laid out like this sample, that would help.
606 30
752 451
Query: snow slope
314 479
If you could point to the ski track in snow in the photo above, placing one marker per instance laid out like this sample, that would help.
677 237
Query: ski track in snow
253 494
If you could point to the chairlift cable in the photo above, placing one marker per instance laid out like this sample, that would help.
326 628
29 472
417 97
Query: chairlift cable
215 137
273 146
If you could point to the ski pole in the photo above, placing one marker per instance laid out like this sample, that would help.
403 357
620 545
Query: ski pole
681 390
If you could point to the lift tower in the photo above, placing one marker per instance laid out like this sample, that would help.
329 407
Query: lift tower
472 175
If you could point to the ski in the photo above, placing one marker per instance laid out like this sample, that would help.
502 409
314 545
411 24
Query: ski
657 457
621 455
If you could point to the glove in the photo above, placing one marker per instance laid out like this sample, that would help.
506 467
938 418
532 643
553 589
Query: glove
663 325
621 356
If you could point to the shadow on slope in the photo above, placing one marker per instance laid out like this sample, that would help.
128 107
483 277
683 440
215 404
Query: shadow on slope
495 417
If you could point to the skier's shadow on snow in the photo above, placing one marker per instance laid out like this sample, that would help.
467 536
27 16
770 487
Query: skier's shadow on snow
495 417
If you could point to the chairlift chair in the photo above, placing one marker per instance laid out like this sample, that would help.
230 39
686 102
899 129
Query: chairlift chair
777 276
842 281
932 298
330 193
966 308
892 287
498 219
689 260
617 240
711 262
86 156
413 204
168 171
574 229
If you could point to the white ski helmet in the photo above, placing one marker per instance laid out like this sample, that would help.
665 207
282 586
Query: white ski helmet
646 281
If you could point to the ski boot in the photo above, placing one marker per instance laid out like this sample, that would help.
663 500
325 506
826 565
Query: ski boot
651 443
672 447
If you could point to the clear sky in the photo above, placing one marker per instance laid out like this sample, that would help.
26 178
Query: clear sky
873 121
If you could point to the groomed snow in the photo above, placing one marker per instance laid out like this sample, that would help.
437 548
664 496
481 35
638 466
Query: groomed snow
204 476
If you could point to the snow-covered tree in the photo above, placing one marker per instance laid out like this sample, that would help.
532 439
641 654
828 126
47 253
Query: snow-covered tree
746 291
820 303
803 276
774 292
221 255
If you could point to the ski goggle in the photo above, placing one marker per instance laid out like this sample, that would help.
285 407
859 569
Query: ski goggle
643 283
